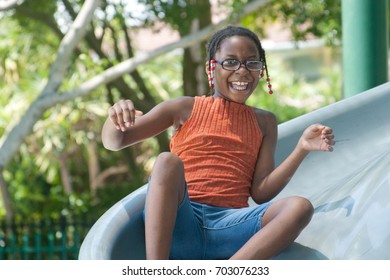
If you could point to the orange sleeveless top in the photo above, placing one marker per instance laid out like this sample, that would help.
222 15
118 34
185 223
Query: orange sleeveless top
219 145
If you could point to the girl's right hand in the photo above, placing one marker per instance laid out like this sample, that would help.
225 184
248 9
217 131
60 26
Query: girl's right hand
123 114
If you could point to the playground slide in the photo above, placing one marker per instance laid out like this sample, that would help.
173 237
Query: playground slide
349 188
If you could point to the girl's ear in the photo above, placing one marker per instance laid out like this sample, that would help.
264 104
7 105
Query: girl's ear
207 67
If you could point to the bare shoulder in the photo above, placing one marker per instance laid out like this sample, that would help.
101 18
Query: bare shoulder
184 102
181 109
266 120
182 105
175 106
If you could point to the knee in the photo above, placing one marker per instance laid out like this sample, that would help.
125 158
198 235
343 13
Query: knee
168 168
168 160
168 175
302 208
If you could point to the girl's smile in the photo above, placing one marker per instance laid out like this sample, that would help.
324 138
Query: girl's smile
239 86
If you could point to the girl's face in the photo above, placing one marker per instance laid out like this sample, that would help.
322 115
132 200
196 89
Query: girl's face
237 85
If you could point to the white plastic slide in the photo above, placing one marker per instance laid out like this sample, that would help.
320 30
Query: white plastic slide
349 188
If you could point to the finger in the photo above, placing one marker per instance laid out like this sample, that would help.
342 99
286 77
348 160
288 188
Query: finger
330 142
113 117
327 130
327 133
127 109
326 147
132 117
316 127
119 116
330 149
327 137
135 115
130 113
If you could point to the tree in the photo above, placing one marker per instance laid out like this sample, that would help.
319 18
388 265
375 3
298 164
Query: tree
52 93
9 4
59 68
186 17
319 19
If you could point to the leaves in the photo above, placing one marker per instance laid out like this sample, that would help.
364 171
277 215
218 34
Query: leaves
305 18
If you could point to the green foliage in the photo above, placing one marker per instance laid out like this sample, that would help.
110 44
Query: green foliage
24 59
164 76
305 18
110 194
35 197
293 94
173 12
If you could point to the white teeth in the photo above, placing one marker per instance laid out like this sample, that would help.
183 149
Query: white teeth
240 83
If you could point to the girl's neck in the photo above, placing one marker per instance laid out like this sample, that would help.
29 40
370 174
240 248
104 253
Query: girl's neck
217 94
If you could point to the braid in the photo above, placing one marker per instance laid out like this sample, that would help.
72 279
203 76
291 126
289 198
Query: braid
215 42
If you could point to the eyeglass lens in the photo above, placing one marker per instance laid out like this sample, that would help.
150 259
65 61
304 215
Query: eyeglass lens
233 64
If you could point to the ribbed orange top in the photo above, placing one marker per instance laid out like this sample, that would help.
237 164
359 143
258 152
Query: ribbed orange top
219 145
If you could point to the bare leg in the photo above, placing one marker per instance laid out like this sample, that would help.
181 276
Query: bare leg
166 192
282 223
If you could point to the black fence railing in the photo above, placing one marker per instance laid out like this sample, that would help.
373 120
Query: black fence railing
51 239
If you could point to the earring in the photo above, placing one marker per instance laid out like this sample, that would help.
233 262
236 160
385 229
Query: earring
210 74
268 80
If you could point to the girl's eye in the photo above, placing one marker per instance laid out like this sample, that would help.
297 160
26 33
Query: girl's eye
231 62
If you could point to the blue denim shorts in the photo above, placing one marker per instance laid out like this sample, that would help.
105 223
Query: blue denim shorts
204 232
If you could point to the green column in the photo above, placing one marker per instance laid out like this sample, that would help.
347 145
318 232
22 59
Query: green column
365 44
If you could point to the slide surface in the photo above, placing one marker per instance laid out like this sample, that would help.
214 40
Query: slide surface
349 188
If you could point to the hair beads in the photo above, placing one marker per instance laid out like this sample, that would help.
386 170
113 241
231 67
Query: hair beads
210 74
268 80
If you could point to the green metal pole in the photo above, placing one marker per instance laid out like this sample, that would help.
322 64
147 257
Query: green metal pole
365 44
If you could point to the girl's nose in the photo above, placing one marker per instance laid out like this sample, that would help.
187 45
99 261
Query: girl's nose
242 65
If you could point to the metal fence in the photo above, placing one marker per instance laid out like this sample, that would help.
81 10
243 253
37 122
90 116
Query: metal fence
52 239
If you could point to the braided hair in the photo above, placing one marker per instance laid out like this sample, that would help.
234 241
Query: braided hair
229 31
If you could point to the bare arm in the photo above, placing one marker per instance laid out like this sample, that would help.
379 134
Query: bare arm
126 126
269 181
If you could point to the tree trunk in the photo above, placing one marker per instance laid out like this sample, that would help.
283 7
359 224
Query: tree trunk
6 198
194 75
101 178
66 178
9 4
93 165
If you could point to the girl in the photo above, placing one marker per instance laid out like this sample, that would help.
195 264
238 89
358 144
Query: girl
221 154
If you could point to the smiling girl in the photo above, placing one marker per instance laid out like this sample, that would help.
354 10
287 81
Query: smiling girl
221 155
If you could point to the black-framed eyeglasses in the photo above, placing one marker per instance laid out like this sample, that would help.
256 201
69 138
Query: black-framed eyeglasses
234 64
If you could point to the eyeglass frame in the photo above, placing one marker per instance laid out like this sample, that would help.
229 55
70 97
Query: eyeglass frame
241 63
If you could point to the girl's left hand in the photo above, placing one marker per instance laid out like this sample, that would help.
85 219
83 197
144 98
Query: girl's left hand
317 137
